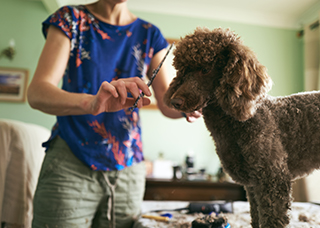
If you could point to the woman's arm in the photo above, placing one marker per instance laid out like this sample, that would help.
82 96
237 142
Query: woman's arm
44 94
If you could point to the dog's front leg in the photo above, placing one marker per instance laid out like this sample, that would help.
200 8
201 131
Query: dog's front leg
273 196
253 207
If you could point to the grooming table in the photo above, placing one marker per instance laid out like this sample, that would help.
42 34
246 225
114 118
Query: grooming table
303 215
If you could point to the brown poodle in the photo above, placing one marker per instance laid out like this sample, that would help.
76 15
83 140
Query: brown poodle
263 142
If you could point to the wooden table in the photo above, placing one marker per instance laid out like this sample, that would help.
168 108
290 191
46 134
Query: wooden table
163 189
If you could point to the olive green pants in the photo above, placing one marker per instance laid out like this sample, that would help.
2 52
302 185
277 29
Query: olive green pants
69 194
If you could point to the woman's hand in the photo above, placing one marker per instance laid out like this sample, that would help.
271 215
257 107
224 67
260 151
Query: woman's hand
193 116
113 96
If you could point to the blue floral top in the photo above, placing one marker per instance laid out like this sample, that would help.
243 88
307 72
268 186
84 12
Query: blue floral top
103 52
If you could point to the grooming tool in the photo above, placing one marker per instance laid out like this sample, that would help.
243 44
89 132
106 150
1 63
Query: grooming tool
158 218
169 215
210 221
205 208
209 225
154 74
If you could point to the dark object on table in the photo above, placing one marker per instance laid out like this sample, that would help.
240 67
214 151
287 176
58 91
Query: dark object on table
207 208
210 221
177 173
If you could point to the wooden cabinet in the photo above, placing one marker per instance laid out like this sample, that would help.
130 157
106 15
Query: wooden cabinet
160 189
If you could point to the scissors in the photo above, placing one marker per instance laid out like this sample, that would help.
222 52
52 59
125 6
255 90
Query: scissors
154 74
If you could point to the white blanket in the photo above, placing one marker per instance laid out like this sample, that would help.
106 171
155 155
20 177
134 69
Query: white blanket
303 215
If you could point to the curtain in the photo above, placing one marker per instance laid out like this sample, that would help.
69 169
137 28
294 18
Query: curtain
308 188
311 57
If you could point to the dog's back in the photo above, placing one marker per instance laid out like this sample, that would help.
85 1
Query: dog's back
298 119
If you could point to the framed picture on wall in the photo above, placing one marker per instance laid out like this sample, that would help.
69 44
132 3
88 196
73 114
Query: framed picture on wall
13 84
171 74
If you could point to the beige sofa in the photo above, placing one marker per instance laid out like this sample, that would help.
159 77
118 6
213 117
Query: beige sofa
307 189
21 155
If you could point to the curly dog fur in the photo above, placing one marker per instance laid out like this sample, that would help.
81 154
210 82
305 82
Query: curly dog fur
263 142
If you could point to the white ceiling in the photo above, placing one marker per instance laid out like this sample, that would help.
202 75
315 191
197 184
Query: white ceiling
274 13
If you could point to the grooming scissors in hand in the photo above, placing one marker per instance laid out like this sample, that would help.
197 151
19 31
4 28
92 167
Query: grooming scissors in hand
154 74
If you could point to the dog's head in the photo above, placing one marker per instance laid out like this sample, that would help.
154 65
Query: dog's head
215 66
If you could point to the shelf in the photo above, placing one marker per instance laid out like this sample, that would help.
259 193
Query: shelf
162 189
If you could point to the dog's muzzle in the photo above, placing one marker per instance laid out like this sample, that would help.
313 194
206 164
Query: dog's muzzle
177 102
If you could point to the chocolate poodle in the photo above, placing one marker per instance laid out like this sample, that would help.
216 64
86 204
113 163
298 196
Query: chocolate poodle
263 142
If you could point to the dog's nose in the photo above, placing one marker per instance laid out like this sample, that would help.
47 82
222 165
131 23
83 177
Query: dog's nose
177 102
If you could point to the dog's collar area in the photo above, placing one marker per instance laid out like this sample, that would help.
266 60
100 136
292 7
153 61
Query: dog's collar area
208 101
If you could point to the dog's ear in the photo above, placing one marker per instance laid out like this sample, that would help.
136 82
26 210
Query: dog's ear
174 85
244 80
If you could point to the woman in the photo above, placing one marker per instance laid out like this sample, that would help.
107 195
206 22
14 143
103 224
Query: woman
93 174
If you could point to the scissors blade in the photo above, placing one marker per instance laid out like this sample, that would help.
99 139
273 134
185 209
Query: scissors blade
154 74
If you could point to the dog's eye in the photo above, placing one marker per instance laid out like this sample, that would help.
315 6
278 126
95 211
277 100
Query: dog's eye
204 70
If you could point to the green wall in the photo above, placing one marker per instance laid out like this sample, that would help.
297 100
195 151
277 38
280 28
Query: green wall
278 49
21 20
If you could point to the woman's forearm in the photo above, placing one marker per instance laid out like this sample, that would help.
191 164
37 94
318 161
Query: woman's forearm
55 101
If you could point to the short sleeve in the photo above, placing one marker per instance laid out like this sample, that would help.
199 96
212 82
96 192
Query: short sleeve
64 18
158 41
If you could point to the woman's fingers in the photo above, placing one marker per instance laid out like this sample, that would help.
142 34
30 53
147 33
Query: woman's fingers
120 87
109 88
113 96
132 85
142 102
193 116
